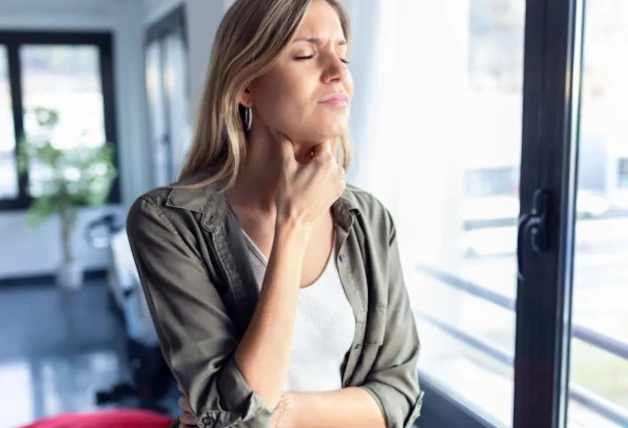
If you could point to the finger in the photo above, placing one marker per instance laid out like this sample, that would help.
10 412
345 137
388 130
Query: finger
323 148
287 152
184 405
187 419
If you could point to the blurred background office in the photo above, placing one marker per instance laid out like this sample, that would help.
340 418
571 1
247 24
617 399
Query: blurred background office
463 109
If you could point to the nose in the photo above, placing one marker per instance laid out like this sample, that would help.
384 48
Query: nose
335 69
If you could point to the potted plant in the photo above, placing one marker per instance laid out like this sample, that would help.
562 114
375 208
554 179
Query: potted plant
61 181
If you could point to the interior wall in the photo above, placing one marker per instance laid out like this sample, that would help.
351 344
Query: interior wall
153 10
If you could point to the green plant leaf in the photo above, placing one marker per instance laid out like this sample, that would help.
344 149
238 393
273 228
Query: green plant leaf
66 179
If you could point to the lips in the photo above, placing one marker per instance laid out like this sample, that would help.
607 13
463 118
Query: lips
339 98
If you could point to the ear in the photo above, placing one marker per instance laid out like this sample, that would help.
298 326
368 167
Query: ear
246 99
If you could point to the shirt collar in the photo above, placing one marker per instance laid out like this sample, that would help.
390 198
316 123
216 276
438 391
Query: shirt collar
210 201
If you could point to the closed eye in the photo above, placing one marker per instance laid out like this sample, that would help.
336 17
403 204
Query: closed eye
304 58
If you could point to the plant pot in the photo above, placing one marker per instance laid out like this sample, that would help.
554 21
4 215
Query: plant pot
70 276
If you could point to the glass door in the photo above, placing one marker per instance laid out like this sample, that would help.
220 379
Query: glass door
167 95
160 142
598 389
509 196
176 90
444 155
464 181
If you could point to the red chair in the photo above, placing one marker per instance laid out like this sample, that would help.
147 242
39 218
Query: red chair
122 418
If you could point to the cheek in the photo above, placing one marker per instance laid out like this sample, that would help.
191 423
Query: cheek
282 103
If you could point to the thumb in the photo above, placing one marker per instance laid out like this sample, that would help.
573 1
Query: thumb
324 147
287 151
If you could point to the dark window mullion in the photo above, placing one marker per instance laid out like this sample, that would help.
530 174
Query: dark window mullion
543 296
15 79
107 81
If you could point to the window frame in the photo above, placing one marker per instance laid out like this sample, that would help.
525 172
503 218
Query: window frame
174 21
549 147
441 410
13 40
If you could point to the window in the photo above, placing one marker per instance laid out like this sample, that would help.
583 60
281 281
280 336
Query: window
8 166
598 381
487 182
454 190
70 73
473 127
470 341
167 92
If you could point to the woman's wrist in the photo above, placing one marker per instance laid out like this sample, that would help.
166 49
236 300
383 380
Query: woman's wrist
282 417
290 231
291 223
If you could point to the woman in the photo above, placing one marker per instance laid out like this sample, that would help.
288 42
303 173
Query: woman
276 292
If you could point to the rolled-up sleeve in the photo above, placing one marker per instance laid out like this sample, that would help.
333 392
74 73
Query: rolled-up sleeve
393 381
196 335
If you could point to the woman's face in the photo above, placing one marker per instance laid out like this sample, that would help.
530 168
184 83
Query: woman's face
306 95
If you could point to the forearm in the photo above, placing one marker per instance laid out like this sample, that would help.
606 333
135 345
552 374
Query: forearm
348 407
263 355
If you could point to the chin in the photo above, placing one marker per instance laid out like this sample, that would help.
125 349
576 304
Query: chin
320 129
331 130
322 135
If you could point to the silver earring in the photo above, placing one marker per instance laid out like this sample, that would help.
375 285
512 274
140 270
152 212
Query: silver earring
248 118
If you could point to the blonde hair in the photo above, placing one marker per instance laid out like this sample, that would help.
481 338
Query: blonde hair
250 38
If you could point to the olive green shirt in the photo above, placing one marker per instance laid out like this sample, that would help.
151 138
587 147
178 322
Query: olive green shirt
192 262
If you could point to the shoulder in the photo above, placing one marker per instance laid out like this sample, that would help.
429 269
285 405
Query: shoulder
175 204
190 194
155 197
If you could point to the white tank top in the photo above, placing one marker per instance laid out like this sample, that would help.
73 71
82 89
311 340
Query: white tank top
323 332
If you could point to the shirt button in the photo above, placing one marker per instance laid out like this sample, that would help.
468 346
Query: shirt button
341 257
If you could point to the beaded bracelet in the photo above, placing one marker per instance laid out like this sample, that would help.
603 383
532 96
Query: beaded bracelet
282 413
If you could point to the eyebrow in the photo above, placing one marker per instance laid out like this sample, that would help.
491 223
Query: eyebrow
317 41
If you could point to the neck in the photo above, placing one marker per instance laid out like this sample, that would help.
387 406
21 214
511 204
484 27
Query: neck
257 179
